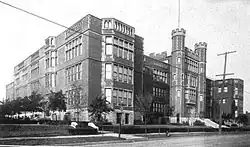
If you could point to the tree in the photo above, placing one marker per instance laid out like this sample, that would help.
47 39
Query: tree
35 102
76 95
99 107
6 108
242 118
57 101
143 105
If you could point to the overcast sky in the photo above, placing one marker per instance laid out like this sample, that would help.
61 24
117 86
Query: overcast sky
223 24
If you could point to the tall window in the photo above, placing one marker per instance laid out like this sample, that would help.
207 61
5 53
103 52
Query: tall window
73 48
178 93
115 71
73 73
219 90
129 98
108 94
178 60
236 102
120 73
109 39
225 89
109 49
108 71
114 96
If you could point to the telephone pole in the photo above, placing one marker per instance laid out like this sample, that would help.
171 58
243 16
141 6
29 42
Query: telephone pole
223 85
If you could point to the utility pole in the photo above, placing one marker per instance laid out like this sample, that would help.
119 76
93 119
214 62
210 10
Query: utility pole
223 85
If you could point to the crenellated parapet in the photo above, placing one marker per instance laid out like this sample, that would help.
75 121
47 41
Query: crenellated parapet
178 31
159 56
200 45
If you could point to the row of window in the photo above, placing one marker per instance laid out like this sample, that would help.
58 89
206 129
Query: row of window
158 107
73 73
35 72
225 89
51 59
160 76
119 48
120 73
74 97
73 48
119 96
159 91
50 80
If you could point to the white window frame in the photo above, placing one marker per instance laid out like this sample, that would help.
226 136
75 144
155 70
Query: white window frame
108 71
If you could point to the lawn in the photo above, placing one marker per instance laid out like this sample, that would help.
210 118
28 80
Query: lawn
57 141
32 130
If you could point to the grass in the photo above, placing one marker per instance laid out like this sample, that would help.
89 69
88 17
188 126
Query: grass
32 130
57 141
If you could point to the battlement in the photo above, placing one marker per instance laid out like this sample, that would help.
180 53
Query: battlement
159 56
178 31
200 45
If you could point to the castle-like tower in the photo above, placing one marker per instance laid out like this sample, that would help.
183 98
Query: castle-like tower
178 70
188 72
201 49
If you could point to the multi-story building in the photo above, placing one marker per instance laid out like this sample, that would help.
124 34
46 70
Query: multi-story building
230 98
96 54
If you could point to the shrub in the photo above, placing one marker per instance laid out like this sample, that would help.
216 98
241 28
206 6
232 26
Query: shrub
199 123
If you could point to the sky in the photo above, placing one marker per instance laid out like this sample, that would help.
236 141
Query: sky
223 24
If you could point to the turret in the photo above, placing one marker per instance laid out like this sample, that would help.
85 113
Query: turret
201 49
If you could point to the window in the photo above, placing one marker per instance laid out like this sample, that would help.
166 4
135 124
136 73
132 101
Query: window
108 71
178 60
109 49
125 98
108 94
236 113
115 96
125 53
225 89
224 101
174 76
129 98
219 90
120 52
178 93
115 70
115 50
236 91
236 102
109 39
201 69
72 49
201 98
125 71
130 76
120 73
73 73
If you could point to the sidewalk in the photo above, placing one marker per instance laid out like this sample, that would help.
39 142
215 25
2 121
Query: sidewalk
125 136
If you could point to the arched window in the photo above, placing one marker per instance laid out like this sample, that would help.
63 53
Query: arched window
105 24
110 24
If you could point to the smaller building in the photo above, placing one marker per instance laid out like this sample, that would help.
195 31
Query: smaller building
230 98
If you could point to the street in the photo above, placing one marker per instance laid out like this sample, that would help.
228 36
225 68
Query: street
239 140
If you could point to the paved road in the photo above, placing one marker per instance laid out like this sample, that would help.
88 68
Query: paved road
232 140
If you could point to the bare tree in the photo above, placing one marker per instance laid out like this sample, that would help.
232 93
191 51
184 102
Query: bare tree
143 105
78 100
